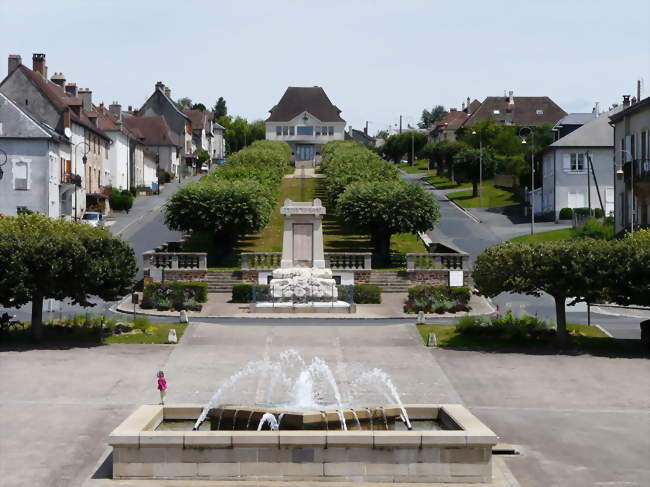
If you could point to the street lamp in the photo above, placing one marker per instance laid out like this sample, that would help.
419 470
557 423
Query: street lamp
480 168
620 171
532 173
84 159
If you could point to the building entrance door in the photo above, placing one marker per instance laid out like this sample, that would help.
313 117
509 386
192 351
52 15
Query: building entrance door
304 152
302 244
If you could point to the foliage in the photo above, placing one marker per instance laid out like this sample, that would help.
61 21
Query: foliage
382 134
43 258
560 234
239 133
184 102
593 228
120 200
490 196
639 237
367 294
381 209
599 213
202 155
199 106
507 327
428 118
220 109
176 295
438 299
583 269
409 143
566 214
471 163
243 293
441 155
164 177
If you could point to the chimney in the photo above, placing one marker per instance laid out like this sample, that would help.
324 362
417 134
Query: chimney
467 104
463 107
58 79
116 109
38 64
511 98
87 98
160 85
626 100
13 62
71 89
168 92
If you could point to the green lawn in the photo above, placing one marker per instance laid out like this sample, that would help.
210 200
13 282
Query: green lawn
442 182
492 196
583 337
158 336
419 166
561 234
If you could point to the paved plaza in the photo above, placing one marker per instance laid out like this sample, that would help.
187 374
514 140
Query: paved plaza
579 420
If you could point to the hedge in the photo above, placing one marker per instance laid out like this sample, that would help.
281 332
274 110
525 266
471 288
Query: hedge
438 299
566 214
174 295
243 293
461 294
120 200
359 293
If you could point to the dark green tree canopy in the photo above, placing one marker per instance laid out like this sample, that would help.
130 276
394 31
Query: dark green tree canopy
184 102
199 106
220 109
469 163
43 258
428 118
407 143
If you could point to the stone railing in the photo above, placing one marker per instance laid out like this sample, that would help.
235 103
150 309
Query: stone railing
260 261
348 261
339 261
418 262
174 260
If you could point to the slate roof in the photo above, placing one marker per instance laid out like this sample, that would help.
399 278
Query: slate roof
454 120
577 118
597 133
298 99
198 118
631 109
152 130
473 106
522 112
17 123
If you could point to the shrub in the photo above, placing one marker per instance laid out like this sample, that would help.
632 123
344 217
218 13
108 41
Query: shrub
367 294
592 228
566 214
439 299
164 176
507 327
243 293
346 292
598 213
177 295
120 200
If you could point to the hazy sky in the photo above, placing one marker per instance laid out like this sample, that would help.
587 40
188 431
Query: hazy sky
375 59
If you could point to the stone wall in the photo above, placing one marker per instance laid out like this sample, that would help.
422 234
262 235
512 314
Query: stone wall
176 275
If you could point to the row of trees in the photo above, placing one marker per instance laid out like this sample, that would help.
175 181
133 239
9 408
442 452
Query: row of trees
43 258
586 270
236 199
370 197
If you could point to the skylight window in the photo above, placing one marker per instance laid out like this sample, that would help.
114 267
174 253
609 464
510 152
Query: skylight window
539 113
496 112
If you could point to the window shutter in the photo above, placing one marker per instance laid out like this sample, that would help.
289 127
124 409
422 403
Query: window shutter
21 175
628 147
566 162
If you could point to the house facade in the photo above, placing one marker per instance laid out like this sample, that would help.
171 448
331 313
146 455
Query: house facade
568 180
517 110
306 119
632 161
34 176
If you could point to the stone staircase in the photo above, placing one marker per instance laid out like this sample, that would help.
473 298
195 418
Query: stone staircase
222 281
390 281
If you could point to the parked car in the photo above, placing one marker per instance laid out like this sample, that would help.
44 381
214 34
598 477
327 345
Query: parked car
205 168
93 218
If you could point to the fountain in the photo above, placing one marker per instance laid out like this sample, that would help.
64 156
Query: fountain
302 282
306 432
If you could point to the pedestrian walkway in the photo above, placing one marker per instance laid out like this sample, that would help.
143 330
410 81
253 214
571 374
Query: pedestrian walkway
304 173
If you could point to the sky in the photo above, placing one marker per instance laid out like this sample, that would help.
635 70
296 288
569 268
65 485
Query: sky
376 60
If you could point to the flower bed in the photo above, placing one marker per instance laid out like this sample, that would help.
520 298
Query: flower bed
437 299
175 296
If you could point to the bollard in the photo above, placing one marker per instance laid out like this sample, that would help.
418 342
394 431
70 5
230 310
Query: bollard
183 317
421 318
432 341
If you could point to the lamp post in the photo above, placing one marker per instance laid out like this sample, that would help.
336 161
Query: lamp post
86 150
480 168
532 173
620 171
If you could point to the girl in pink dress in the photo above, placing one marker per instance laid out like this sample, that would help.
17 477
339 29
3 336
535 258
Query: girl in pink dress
162 386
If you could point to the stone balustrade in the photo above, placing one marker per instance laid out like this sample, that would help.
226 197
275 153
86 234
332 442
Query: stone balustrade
437 261
340 261
175 260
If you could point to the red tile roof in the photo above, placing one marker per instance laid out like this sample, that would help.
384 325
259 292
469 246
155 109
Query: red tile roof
522 112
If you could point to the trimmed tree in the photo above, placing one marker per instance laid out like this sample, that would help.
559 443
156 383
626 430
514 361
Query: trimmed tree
225 209
381 209
468 164
42 258
583 269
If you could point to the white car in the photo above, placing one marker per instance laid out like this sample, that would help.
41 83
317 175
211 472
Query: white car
93 218
205 168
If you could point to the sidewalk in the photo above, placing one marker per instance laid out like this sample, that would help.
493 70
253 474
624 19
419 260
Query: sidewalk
144 205
391 307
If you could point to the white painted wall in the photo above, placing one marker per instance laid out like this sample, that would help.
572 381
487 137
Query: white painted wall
118 160
339 130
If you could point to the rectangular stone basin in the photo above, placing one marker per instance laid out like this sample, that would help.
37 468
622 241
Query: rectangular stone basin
459 453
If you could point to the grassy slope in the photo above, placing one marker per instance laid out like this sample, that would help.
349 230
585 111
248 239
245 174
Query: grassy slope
492 196
419 166
441 182
561 234
159 336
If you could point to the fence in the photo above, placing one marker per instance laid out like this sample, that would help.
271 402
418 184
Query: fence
264 261
433 261
175 260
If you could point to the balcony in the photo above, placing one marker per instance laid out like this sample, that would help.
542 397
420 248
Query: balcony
70 179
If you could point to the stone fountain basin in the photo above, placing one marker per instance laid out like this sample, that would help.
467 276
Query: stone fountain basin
456 455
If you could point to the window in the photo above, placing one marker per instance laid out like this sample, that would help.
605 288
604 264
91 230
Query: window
539 112
285 130
574 162
21 175
278 131
496 112
318 130
292 130
644 146
305 130
330 130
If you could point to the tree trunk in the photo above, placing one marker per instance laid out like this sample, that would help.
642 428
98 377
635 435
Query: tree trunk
560 318
474 189
381 244
37 318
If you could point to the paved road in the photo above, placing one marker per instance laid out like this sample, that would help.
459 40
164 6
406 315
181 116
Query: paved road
459 229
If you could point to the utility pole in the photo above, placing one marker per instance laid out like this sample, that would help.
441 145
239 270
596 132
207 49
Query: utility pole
588 187
400 124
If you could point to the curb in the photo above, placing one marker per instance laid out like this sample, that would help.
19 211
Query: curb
446 198
604 331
